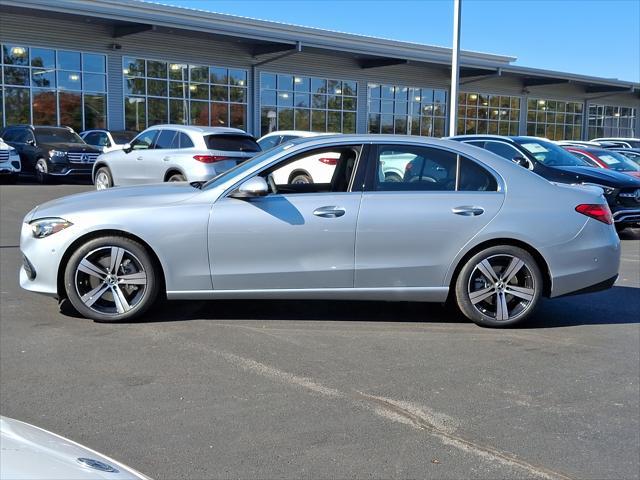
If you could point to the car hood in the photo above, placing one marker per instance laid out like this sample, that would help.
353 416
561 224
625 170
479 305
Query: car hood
602 176
29 452
113 198
70 147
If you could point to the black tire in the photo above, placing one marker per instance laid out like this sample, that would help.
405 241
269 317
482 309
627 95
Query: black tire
300 178
176 177
103 179
497 293
106 305
41 169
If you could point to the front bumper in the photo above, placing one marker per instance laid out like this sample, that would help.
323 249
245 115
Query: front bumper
70 169
10 168
627 216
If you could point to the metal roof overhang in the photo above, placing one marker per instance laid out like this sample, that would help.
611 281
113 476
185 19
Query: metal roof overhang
263 38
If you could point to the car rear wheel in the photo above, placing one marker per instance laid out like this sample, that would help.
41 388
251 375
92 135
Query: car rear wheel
103 179
499 286
300 178
42 171
176 177
111 279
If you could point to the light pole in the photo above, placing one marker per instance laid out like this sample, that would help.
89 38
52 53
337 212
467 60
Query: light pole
455 69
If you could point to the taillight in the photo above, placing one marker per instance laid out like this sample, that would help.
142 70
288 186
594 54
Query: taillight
328 161
599 212
209 158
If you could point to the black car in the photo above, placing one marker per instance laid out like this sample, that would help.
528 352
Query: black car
49 152
557 165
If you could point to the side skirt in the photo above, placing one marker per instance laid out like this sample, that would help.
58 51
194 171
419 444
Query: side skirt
396 294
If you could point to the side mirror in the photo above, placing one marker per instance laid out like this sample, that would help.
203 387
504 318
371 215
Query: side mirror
254 187
127 148
31 142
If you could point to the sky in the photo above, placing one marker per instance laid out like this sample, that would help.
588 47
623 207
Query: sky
587 37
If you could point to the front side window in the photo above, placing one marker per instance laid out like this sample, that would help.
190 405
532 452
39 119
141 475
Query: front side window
145 140
319 170
295 102
158 92
53 87
415 168
402 110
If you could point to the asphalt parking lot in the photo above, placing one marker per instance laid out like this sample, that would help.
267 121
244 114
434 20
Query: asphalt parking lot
270 389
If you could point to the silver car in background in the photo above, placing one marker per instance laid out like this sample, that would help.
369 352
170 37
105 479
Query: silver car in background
174 153
463 225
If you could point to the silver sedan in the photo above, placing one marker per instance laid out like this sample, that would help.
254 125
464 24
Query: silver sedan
461 225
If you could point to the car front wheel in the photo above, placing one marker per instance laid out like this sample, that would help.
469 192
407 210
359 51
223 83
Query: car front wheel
111 279
499 286
42 171
103 179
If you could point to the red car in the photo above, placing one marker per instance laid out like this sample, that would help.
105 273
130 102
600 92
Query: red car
600 157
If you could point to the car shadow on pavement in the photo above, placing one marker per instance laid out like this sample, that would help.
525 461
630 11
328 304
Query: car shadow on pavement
619 305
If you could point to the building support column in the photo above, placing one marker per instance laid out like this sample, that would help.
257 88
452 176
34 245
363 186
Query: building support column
522 120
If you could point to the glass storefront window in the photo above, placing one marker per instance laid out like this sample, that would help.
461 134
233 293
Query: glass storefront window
297 102
494 114
611 121
160 92
402 110
53 87
554 119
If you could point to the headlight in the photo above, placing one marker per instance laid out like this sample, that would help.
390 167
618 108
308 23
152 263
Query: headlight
56 153
13 152
44 227
607 190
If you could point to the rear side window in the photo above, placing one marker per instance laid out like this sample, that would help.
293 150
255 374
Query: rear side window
184 141
414 168
166 139
231 143
474 178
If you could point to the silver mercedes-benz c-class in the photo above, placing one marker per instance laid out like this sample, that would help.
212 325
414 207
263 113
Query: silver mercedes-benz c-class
460 224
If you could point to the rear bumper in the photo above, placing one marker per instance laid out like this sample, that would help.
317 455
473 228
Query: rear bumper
590 259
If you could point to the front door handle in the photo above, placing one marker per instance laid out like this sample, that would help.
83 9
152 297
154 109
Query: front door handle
139 158
468 211
166 159
329 212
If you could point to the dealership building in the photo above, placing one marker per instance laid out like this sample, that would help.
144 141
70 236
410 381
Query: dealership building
124 64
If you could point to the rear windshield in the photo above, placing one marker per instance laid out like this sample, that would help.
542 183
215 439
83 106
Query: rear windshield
123 137
232 143
57 135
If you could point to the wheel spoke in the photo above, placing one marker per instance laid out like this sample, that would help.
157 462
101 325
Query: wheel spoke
116 259
511 271
481 295
502 310
91 269
122 304
487 270
520 292
138 278
91 297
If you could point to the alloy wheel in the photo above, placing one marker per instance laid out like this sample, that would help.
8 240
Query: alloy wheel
102 181
502 287
110 280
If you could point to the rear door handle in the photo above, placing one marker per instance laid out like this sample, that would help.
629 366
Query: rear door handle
166 159
468 211
139 158
329 212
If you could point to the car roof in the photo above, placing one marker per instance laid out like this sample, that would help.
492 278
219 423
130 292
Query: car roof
614 139
200 129
297 133
586 149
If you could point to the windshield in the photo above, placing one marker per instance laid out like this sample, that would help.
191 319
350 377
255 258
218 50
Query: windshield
244 166
57 135
618 162
551 154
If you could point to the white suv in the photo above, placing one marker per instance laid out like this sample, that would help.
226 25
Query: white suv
10 165
174 153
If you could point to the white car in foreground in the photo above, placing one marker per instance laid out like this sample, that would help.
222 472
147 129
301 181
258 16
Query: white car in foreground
29 452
